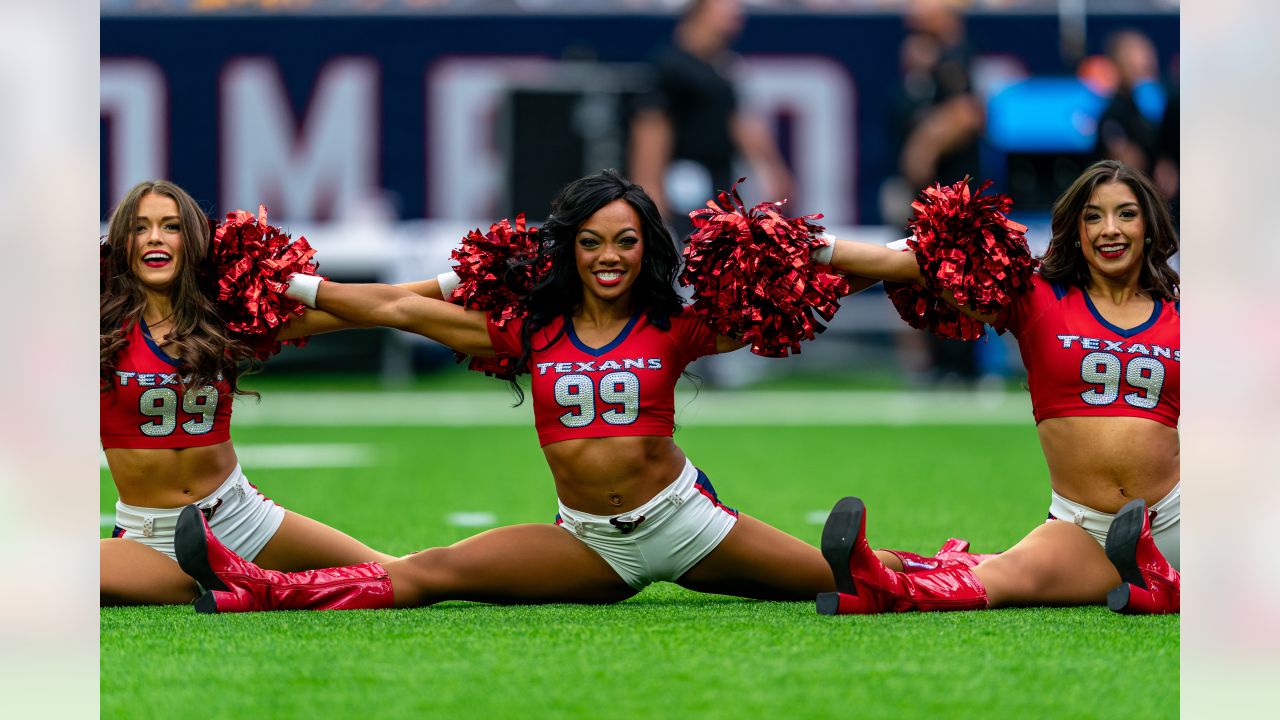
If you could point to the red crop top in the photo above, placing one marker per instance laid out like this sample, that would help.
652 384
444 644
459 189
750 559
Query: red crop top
147 407
1080 364
624 388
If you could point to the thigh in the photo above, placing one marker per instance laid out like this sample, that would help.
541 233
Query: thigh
1058 563
757 560
301 543
510 565
131 573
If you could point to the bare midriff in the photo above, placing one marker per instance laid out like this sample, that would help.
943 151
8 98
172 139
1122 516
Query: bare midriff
1104 462
167 478
612 475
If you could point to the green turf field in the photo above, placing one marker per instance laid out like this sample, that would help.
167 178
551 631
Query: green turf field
667 652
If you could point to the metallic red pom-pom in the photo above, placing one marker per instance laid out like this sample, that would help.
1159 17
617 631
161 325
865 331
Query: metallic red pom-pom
251 262
497 270
964 244
752 277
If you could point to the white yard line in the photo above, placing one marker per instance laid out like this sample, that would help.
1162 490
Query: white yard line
817 517
709 408
297 455
471 519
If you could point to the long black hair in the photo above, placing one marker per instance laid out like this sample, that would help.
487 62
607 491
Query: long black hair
559 292
1064 263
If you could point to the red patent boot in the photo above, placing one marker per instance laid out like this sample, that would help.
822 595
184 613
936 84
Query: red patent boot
913 562
957 550
864 585
953 552
237 585
1150 585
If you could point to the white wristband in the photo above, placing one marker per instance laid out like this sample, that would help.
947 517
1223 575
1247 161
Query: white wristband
449 281
303 288
822 254
900 244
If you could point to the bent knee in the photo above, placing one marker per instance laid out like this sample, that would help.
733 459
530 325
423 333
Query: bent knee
423 576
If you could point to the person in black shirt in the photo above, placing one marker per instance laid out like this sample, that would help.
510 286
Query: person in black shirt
1124 133
688 130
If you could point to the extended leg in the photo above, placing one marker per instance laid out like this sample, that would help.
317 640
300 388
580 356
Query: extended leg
519 564
757 560
301 543
131 573
1058 563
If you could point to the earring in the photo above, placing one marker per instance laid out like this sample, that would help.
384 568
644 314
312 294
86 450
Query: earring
1077 243
1148 241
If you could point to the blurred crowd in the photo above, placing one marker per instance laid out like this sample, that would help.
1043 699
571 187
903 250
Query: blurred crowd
689 133
596 6
939 124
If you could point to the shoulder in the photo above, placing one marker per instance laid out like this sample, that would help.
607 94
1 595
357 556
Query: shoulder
687 320
1046 291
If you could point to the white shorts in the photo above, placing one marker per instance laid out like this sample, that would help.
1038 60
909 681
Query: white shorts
240 516
1164 526
661 539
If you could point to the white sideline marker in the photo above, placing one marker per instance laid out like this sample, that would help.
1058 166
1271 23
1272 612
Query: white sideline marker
816 517
736 408
296 455
458 519
471 519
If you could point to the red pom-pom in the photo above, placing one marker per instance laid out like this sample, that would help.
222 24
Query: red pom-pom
251 263
752 277
497 270
964 244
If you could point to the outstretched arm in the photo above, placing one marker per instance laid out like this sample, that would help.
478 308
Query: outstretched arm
869 264
865 264
875 262
461 329
315 322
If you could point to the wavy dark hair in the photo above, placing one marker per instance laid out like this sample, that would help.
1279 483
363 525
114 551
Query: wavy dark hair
1064 263
559 293
199 339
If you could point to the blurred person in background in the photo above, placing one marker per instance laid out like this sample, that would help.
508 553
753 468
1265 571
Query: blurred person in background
1099 331
605 341
939 119
1126 131
689 129
169 372
937 123
1169 155
688 133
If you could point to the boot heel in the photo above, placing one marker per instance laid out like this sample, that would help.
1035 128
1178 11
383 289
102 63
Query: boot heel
1122 542
838 537
1118 598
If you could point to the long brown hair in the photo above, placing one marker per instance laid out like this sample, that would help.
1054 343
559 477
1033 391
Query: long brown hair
1064 263
198 339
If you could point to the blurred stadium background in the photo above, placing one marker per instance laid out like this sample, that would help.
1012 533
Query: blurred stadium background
383 130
